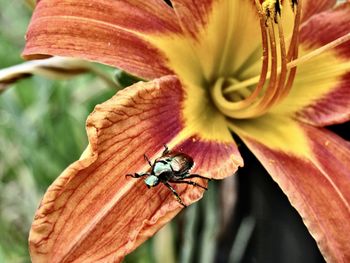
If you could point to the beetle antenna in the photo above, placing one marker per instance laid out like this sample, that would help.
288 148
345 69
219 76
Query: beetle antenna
147 159
166 149
136 175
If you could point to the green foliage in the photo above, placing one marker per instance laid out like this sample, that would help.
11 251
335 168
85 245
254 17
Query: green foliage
14 18
42 132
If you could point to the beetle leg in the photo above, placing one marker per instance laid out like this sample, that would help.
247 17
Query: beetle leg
136 175
166 150
175 193
196 176
189 182
147 159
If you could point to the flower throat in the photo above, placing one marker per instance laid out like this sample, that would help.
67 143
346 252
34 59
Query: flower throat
255 96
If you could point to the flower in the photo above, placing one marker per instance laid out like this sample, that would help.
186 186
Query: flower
274 73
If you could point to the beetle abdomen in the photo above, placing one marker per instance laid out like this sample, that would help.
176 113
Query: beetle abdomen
181 164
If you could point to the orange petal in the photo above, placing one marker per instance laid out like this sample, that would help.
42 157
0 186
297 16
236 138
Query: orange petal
325 27
222 38
314 174
111 32
320 93
334 106
312 7
194 16
92 212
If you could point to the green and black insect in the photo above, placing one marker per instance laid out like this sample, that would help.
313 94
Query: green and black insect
170 167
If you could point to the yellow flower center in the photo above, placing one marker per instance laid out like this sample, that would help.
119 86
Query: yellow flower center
255 96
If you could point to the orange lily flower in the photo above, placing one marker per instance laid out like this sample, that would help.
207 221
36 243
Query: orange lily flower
274 73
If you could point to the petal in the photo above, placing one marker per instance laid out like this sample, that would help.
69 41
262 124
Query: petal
224 33
312 7
133 35
320 91
312 166
92 212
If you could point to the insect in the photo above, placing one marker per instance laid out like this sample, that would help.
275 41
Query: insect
170 167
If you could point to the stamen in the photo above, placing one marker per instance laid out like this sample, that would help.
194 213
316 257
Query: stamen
275 88
272 8
238 99
272 87
283 74
293 50
218 91
293 3
265 62
293 63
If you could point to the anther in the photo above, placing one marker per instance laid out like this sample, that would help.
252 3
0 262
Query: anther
272 9
293 3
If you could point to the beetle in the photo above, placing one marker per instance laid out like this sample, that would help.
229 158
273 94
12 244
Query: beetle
170 167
